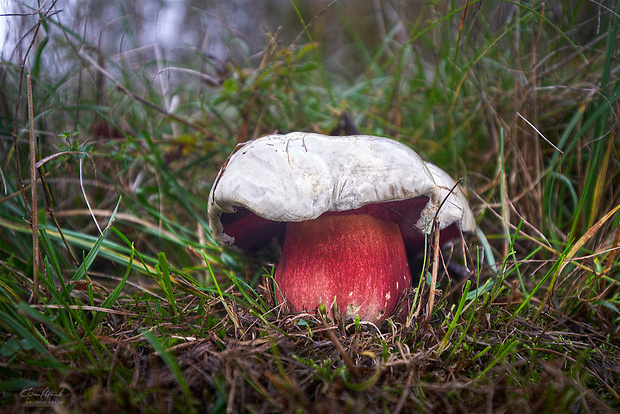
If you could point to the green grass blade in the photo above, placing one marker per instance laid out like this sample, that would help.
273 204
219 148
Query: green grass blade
172 365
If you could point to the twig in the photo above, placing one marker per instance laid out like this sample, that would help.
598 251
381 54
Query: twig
18 101
343 354
431 293
34 218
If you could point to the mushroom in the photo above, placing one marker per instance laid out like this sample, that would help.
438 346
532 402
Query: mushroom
349 209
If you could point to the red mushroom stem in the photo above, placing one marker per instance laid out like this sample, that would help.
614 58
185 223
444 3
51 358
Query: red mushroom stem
358 260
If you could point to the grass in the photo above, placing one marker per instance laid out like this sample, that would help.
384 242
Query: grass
123 301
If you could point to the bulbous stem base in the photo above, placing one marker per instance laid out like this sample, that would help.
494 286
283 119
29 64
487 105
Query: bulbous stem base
352 264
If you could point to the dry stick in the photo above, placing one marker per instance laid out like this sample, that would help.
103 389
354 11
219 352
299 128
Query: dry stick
34 219
33 214
343 354
431 294
436 233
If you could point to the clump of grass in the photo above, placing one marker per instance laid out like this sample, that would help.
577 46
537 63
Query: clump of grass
123 301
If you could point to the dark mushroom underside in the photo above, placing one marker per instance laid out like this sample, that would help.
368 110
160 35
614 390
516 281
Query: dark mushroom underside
251 231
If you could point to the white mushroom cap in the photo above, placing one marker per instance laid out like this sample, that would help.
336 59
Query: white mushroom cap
300 176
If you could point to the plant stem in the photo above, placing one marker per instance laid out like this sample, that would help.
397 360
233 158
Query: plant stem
34 218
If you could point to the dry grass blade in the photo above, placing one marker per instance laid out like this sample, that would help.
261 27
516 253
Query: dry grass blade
571 254
434 272
540 133
86 200
34 209
343 354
